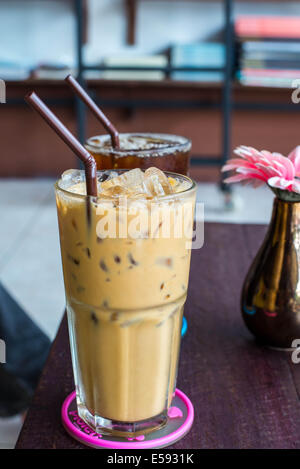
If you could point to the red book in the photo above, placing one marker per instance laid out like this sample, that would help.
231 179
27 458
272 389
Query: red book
271 73
268 26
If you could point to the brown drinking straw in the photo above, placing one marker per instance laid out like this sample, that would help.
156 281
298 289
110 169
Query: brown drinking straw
95 109
51 119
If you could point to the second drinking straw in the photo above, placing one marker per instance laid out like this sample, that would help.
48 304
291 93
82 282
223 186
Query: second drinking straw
95 109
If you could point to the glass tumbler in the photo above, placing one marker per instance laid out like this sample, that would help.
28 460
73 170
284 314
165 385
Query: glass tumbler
126 267
142 150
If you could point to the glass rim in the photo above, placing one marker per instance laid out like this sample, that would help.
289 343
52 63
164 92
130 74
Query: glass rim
177 143
155 199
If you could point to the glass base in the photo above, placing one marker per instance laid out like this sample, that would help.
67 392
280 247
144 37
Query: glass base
116 428
180 420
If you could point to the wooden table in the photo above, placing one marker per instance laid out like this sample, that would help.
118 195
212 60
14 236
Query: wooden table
245 395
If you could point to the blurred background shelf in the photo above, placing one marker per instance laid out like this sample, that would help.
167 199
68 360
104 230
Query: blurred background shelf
256 118
115 92
226 71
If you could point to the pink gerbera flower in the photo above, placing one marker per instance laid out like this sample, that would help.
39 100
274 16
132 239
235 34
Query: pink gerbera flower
258 167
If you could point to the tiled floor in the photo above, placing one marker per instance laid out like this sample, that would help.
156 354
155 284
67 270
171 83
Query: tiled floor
9 431
30 258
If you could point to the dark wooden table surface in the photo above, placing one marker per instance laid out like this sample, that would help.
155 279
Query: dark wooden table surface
245 395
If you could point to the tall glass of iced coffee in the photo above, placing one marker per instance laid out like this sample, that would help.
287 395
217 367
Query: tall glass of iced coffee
126 259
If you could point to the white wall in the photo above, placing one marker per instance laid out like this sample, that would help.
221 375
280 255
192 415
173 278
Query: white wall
33 31
159 24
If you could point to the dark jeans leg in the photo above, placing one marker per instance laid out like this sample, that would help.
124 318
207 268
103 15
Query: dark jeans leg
27 348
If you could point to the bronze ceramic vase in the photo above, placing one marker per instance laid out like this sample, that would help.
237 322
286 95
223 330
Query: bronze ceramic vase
271 293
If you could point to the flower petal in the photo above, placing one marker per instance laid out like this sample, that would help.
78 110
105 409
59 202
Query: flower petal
269 170
288 170
296 186
294 157
236 178
235 163
281 183
253 173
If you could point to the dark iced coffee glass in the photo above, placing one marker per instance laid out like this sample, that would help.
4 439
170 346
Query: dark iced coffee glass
142 150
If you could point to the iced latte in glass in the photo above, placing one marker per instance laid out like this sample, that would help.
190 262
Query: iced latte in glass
126 259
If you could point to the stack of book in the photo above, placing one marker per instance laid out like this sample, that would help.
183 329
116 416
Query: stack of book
51 71
269 50
13 71
147 61
205 54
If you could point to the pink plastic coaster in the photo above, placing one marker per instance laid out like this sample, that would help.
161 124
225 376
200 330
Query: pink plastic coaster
180 420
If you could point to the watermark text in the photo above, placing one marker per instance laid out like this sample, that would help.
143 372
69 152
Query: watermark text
2 351
2 92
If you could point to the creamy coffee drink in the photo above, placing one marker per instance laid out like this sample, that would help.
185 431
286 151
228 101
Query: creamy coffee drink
126 258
